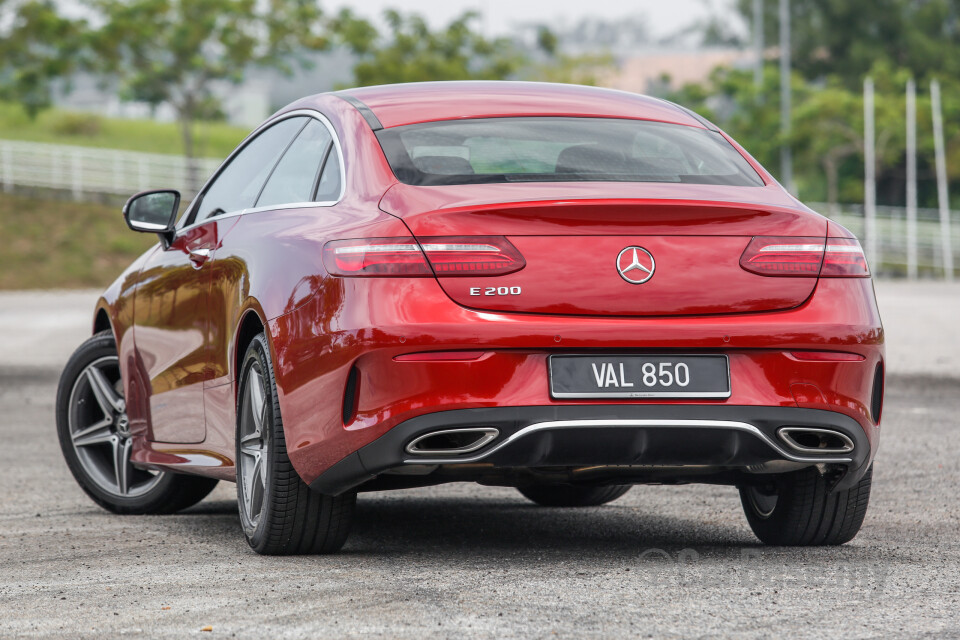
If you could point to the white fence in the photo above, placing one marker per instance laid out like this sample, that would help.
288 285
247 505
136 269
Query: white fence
85 172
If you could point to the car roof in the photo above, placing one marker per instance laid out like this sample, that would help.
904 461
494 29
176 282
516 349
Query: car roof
402 104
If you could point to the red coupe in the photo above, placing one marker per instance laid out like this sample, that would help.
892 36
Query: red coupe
562 289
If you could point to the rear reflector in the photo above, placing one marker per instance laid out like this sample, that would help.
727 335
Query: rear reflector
826 356
441 356
805 257
447 256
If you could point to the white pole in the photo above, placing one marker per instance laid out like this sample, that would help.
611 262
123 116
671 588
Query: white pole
7 168
758 42
911 179
76 182
786 155
870 177
943 196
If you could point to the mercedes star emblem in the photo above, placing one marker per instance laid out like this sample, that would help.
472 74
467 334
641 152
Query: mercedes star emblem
635 265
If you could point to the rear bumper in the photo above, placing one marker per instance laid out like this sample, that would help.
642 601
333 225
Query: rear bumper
643 442
327 418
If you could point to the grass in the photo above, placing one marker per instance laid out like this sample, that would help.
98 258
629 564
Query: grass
49 244
213 139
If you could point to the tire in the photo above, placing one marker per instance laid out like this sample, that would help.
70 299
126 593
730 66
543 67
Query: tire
279 513
568 495
795 509
95 439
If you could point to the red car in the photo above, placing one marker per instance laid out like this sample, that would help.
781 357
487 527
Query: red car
562 289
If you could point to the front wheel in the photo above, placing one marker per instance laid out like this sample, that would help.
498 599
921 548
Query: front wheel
795 509
96 441
279 513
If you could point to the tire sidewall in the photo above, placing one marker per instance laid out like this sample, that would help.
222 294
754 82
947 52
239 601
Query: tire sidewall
258 353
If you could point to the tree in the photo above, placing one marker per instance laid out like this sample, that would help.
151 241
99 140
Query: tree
175 51
412 52
846 38
39 48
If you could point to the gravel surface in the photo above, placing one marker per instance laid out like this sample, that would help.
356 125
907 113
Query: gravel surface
471 561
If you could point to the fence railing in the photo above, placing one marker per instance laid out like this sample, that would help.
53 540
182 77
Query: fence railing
86 172
892 247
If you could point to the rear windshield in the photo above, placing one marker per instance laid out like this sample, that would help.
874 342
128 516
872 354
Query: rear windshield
562 150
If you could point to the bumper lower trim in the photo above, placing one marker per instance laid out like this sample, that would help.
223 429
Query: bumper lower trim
731 437
601 424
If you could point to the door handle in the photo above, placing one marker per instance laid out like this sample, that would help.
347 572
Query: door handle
199 255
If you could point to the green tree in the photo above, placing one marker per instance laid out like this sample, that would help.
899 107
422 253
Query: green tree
412 52
846 38
38 48
175 51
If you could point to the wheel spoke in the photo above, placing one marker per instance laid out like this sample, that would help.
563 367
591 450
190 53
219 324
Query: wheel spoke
98 433
252 437
121 464
256 399
106 396
256 489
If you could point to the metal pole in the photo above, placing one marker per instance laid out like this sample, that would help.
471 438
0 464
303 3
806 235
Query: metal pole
786 155
911 179
870 177
943 197
758 42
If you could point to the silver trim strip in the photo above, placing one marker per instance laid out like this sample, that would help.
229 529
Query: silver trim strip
784 433
487 434
312 113
642 394
600 424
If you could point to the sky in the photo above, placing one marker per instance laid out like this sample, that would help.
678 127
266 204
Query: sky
665 16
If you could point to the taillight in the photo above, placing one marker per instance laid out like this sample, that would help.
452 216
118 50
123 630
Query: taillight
445 255
844 259
805 257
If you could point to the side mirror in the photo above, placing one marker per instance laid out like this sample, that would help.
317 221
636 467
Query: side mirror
153 212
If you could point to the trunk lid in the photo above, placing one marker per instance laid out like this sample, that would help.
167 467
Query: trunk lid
590 249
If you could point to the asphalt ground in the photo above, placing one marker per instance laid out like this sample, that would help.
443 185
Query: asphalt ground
471 561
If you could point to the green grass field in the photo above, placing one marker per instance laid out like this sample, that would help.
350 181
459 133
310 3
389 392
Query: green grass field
213 139
50 244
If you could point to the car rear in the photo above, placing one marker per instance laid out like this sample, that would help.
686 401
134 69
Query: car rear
600 302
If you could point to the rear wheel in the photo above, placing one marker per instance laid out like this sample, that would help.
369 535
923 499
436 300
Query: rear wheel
568 495
795 509
97 443
279 513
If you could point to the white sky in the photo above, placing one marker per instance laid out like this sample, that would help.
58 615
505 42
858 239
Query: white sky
665 16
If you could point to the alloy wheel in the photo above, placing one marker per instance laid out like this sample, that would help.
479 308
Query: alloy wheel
100 431
254 448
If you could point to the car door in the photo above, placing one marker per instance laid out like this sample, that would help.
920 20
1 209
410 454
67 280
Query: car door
306 177
172 309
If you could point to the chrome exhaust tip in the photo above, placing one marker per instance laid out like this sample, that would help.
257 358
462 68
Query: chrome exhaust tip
814 440
451 442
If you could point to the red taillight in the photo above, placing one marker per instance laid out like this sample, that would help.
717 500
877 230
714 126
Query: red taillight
805 257
844 259
447 256
826 356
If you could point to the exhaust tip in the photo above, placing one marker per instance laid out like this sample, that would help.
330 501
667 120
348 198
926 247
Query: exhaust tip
451 442
813 440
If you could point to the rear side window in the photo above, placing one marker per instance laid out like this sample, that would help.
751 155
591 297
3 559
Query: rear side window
240 182
298 172
552 149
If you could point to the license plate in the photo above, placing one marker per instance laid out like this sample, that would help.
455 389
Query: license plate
634 376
